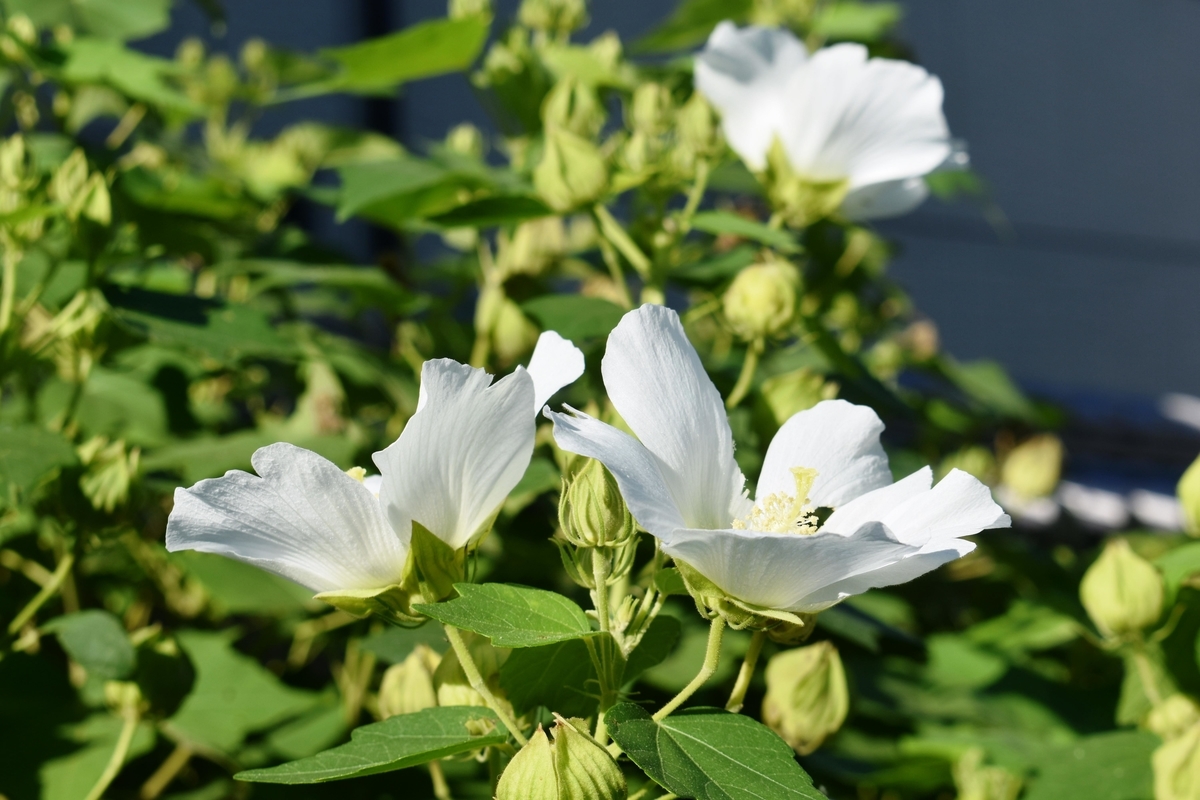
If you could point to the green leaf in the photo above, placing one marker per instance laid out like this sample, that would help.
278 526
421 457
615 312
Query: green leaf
559 676
540 476
716 270
28 454
956 663
691 24
72 776
989 384
394 644
511 616
238 588
858 22
419 51
657 643
1178 566
669 581
319 729
109 19
1108 766
233 695
710 754
719 222
135 74
492 211
574 316
396 743
1025 627
95 640
365 185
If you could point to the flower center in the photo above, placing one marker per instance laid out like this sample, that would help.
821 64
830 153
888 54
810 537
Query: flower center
782 512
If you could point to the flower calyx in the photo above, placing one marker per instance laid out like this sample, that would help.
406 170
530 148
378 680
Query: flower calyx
712 601
800 200
571 766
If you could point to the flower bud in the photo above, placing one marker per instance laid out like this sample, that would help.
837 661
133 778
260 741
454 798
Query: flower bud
533 247
761 301
978 782
650 109
465 139
807 699
553 16
407 687
592 512
696 124
1177 767
1122 592
458 9
572 171
1173 717
1032 468
1189 498
574 106
571 767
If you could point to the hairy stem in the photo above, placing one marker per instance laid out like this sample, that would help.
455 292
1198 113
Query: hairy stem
600 570
712 657
738 695
749 366
477 683
117 759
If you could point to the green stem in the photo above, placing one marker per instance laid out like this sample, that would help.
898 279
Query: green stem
441 789
738 696
1146 674
611 229
609 254
712 657
477 683
117 759
600 570
695 195
9 289
746 378
47 591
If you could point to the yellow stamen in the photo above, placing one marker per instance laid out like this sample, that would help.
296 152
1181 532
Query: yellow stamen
783 512
358 473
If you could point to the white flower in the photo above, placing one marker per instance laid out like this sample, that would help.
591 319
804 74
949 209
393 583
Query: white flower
301 517
840 116
682 484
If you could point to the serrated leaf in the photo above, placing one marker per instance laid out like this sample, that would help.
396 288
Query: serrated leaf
710 754
560 677
96 641
233 695
574 316
511 616
396 743
719 222
419 51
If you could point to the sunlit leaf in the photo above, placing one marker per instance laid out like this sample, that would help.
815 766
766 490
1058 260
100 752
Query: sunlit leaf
511 616
419 51
574 316
724 222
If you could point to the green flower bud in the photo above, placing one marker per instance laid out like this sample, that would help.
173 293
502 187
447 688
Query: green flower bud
407 687
458 9
110 469
465 139
978 782
533 247
792 392
651 109
572 171
800 200
553 16
1173 717
1122 592
807 698
1032 468
1189 497
574 106
1177 767
696 124
761 301
571 767
592 512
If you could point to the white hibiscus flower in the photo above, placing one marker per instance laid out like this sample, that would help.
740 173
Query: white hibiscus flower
302 518
870 126
682 484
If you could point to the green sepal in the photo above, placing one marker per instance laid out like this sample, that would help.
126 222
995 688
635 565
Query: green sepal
390 602
433 567
713 601
799 199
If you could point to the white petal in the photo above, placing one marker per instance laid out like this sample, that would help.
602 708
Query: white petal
870 121
635 468
658 385
958 506
780 570
744 74
374 484
303 519
462 452
906 569
888 199
874 506
555 363
838 439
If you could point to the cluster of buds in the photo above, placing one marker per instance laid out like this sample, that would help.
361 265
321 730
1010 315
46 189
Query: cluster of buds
597 534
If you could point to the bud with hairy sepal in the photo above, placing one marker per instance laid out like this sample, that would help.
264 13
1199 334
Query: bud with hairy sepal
407 687
761 302
807 699
1122 592
572 171
572 766
592 512
1189 498
1031 470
